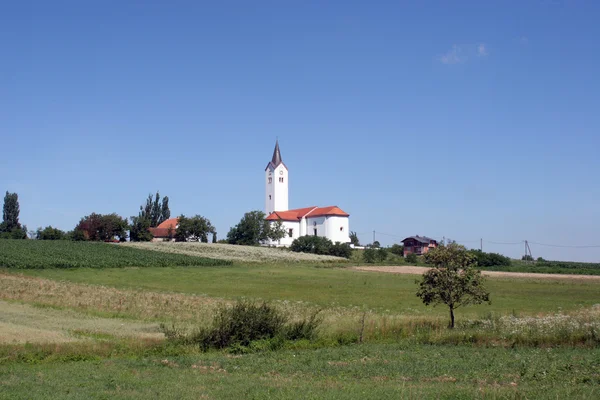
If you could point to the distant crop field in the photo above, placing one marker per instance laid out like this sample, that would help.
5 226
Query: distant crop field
235 252
41 254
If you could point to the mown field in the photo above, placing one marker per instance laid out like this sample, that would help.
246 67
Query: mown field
95 332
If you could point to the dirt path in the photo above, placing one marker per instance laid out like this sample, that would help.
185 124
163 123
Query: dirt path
496 274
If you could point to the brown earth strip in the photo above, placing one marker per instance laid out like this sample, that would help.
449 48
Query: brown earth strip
408 269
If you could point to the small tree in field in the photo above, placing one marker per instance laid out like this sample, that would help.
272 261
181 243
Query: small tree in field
453 280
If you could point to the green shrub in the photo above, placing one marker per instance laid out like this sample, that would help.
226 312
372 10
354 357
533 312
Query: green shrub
320 245
370 255
247 326
397 249
381 254
411 258
490 259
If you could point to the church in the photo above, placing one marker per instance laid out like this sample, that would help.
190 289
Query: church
330 222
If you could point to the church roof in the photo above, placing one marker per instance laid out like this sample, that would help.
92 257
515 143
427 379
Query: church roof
307 212
276 160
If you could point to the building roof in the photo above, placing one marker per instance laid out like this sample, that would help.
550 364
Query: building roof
162 230
169 223
421 239
276 160
307 212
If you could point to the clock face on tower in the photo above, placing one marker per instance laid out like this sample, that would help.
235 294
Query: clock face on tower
280 172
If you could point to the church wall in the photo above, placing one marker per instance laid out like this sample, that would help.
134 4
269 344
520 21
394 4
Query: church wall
334 223
317 223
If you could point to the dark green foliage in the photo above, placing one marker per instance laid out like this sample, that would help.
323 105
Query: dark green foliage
244 324
376 244
320 245
253 230
490 259
370 255
214 237
10 228
397 249
155 211
340 250
311 244
453 280
194 229
411 258
50 233
98 227
138 231
67 254
10 212
527 257
354 239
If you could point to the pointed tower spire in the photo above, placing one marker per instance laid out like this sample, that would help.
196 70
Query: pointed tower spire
276 155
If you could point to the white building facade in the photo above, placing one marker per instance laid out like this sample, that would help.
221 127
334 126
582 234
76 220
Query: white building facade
330 222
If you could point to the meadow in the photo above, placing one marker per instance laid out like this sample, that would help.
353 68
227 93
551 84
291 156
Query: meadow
96 332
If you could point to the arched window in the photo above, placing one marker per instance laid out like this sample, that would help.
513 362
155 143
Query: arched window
269 197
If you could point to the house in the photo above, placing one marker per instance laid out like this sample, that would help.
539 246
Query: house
418 245
330 222
165 231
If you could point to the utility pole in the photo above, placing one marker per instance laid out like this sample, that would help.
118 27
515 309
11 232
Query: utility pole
481 244
373 236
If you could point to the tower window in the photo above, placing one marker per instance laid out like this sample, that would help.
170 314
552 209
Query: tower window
315 231
270 179
341 227
269 197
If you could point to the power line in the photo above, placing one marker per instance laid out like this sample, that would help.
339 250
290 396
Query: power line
565 246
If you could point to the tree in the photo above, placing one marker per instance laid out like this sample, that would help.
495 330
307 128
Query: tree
155 210
253 229
10 212
376 244
214 238
354 239
312 244
195 229
453 279
98 227
397 249
411 258
10 228
139 230
50 233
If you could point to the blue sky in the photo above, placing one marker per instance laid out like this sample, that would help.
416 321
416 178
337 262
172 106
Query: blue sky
467 120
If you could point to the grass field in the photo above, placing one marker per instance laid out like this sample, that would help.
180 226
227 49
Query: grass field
94 332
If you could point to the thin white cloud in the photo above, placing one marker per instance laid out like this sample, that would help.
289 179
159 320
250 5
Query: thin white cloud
482 50
453 56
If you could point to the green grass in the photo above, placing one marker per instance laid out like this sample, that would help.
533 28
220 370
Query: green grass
333 287
41 254
373 371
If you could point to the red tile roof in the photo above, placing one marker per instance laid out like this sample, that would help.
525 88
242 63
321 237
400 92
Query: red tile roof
308 212
169 223
162 230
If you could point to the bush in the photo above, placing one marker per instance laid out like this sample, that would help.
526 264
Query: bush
397 249
411 258
370 255
381 254
320 245
490 259
248 325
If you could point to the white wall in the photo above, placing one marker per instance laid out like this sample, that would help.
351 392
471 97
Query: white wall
333 224
287 240
276 192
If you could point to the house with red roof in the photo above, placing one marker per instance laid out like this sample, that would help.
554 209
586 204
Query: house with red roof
331 222
165 230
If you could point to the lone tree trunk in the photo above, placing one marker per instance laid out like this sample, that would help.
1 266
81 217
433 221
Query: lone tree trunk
451 318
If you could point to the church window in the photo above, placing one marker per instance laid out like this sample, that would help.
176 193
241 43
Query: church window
341 227
315 231
269 197
291 232
270 179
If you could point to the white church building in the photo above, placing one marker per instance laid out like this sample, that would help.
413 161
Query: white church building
330 222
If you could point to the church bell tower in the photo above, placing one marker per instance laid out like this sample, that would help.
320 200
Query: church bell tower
276 183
